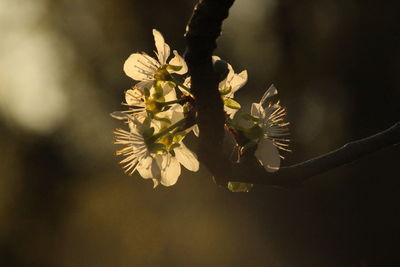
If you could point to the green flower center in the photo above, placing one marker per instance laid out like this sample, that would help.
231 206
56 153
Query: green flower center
162 74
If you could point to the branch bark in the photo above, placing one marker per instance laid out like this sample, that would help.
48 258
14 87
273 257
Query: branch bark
203 29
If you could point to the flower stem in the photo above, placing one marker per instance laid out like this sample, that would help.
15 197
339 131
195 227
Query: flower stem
164 104
184 87
165 131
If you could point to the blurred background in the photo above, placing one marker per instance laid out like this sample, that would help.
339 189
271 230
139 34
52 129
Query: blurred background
64 200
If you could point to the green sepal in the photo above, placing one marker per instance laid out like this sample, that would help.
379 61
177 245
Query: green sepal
249 117
240 187
173 146
174 67
187 107
254 132
226 90
146 92
179 136
148 133
159 90
147 120
150 114
230 103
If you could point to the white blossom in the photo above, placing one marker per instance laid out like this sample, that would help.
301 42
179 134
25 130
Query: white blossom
139 103
271 120
229 86
158 159
142 67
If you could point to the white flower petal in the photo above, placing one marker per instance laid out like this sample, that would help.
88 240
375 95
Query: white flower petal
157 125
145 84
155 183
170 169
215 58
163 49
148 168
134 97
187 84
230 111
138 126
174 114
270 92
139 67
196 130
177 113
268 155
187 158
231 73
257 110
169 92
177 60
238 81
225 83
269 110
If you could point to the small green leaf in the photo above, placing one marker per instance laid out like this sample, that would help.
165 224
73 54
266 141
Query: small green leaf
230 103
239 187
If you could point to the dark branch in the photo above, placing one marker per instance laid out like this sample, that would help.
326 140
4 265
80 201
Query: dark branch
203 29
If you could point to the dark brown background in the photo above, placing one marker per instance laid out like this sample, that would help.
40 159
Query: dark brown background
65 202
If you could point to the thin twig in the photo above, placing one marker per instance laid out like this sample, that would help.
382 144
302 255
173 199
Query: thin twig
296 174
203 29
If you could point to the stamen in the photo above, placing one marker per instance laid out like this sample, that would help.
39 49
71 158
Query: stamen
153 63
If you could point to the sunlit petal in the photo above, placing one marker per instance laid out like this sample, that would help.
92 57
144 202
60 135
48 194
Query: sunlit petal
257 110
163 49
270 92
137 68
170 169
134 97
174 114
187 158
230 111
238 81
145 84
177 60
148 168
155 183
268 155
169 92
196 130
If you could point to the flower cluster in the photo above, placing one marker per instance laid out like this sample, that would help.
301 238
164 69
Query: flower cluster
160 113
